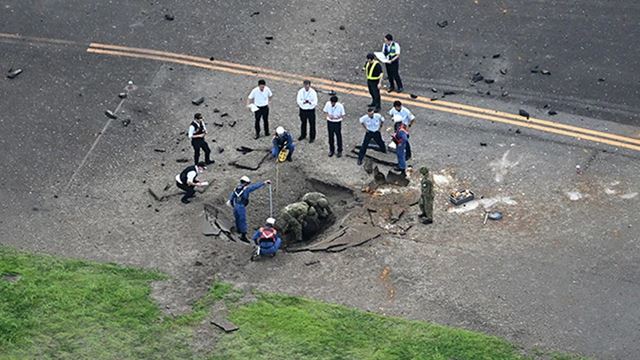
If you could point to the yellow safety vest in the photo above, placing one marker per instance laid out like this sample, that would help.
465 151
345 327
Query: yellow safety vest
368 69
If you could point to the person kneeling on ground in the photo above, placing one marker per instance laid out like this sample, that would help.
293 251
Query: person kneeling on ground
187 180
267 240
281 141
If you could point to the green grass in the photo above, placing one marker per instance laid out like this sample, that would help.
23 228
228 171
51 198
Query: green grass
68 309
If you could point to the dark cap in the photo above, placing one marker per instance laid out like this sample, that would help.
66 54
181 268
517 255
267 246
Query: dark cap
370 56
197 116
202 164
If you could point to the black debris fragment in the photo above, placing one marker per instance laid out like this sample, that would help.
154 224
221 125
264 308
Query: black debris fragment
110 114
477 77
212 59
434 90
332 92
224 114
218 124
433 99
313 20
198 101
601 79
169 17
313 262
535 69
244 149
160 150
14 73
126 122
552 112
524 113
267 42
216 110
268 37
255 13
449 92
182 160
495 56
545 72
198 263
517 131
342 27
488 93
503 71
442 24
489 81
232 124
122 95
413 96
505 93
220 150
546 106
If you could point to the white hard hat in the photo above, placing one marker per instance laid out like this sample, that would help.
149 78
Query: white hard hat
271 221
245 179
279 130
397 118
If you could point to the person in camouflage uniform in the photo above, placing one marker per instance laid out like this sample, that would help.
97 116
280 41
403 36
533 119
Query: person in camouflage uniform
426 197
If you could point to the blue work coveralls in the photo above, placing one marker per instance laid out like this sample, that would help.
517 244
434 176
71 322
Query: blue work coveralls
267 246
279 142
239 200
401 138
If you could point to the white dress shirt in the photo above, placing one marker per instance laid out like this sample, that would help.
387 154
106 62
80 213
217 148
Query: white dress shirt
190 176
407 116
192 130
334 113
260 98
311 96
372 123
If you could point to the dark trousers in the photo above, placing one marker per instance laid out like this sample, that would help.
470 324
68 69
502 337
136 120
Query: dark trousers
262 112
335 133
190 191
394 75
200 143
377 138
375 93
310 116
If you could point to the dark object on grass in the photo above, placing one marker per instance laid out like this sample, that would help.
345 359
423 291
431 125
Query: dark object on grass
198 101
224 325
14 73
442 24
552 112
477 77
169 17
524 113
110 114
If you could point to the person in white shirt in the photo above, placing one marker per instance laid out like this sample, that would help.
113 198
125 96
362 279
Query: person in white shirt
391 50
406 118
197 132
307 101
335 114
259 97
187 180
372 123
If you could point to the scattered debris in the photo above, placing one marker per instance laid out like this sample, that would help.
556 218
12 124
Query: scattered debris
232 124
160 150
126 122
313 262
268 37
489 81
198 101
503 71
342 27
477 77
252 161
535 69
505 93
244 150
629 196
495 215
442 24
313 20
440 180
552 112
343 239
523 113
495 56
413 96
434 90
14 73
483 144
220 150
122 95
601 80
110 114
255 13
448 92
218 124
182 160
460 197
224 114
10 277
216 110
545 72
517 131
169 17
486 203
503 165
574 195
212 59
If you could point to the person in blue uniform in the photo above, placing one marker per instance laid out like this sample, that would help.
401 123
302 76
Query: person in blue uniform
401 138
282 140
267 239
239 199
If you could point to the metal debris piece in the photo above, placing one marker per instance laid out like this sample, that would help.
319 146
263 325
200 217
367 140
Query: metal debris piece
224 114
182 160
448 92
413 96
268 37
434 90
342 27
232 124
110 114
14 73
309 263
218 124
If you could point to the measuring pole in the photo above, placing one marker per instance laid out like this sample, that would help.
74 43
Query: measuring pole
270 201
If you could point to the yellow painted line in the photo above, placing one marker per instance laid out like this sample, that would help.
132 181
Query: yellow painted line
438 105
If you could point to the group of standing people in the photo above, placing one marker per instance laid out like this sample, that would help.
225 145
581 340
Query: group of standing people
307 101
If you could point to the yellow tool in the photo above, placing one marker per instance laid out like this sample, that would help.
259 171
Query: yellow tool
282 156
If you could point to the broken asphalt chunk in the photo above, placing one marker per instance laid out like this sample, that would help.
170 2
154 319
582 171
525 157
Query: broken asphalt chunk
434 90
224 114
232 124
448 92
14 73
160 150
503 71
169 17
182 160
495 56
545 72
477 77
255 13
110 114
244 149
268 37
524 113
442 24
552 112
489 81
198 101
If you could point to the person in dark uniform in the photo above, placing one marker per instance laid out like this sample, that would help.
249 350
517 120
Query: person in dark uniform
267 240
281 140
187 180
426 197
373 72
391 50
239 199
197 132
